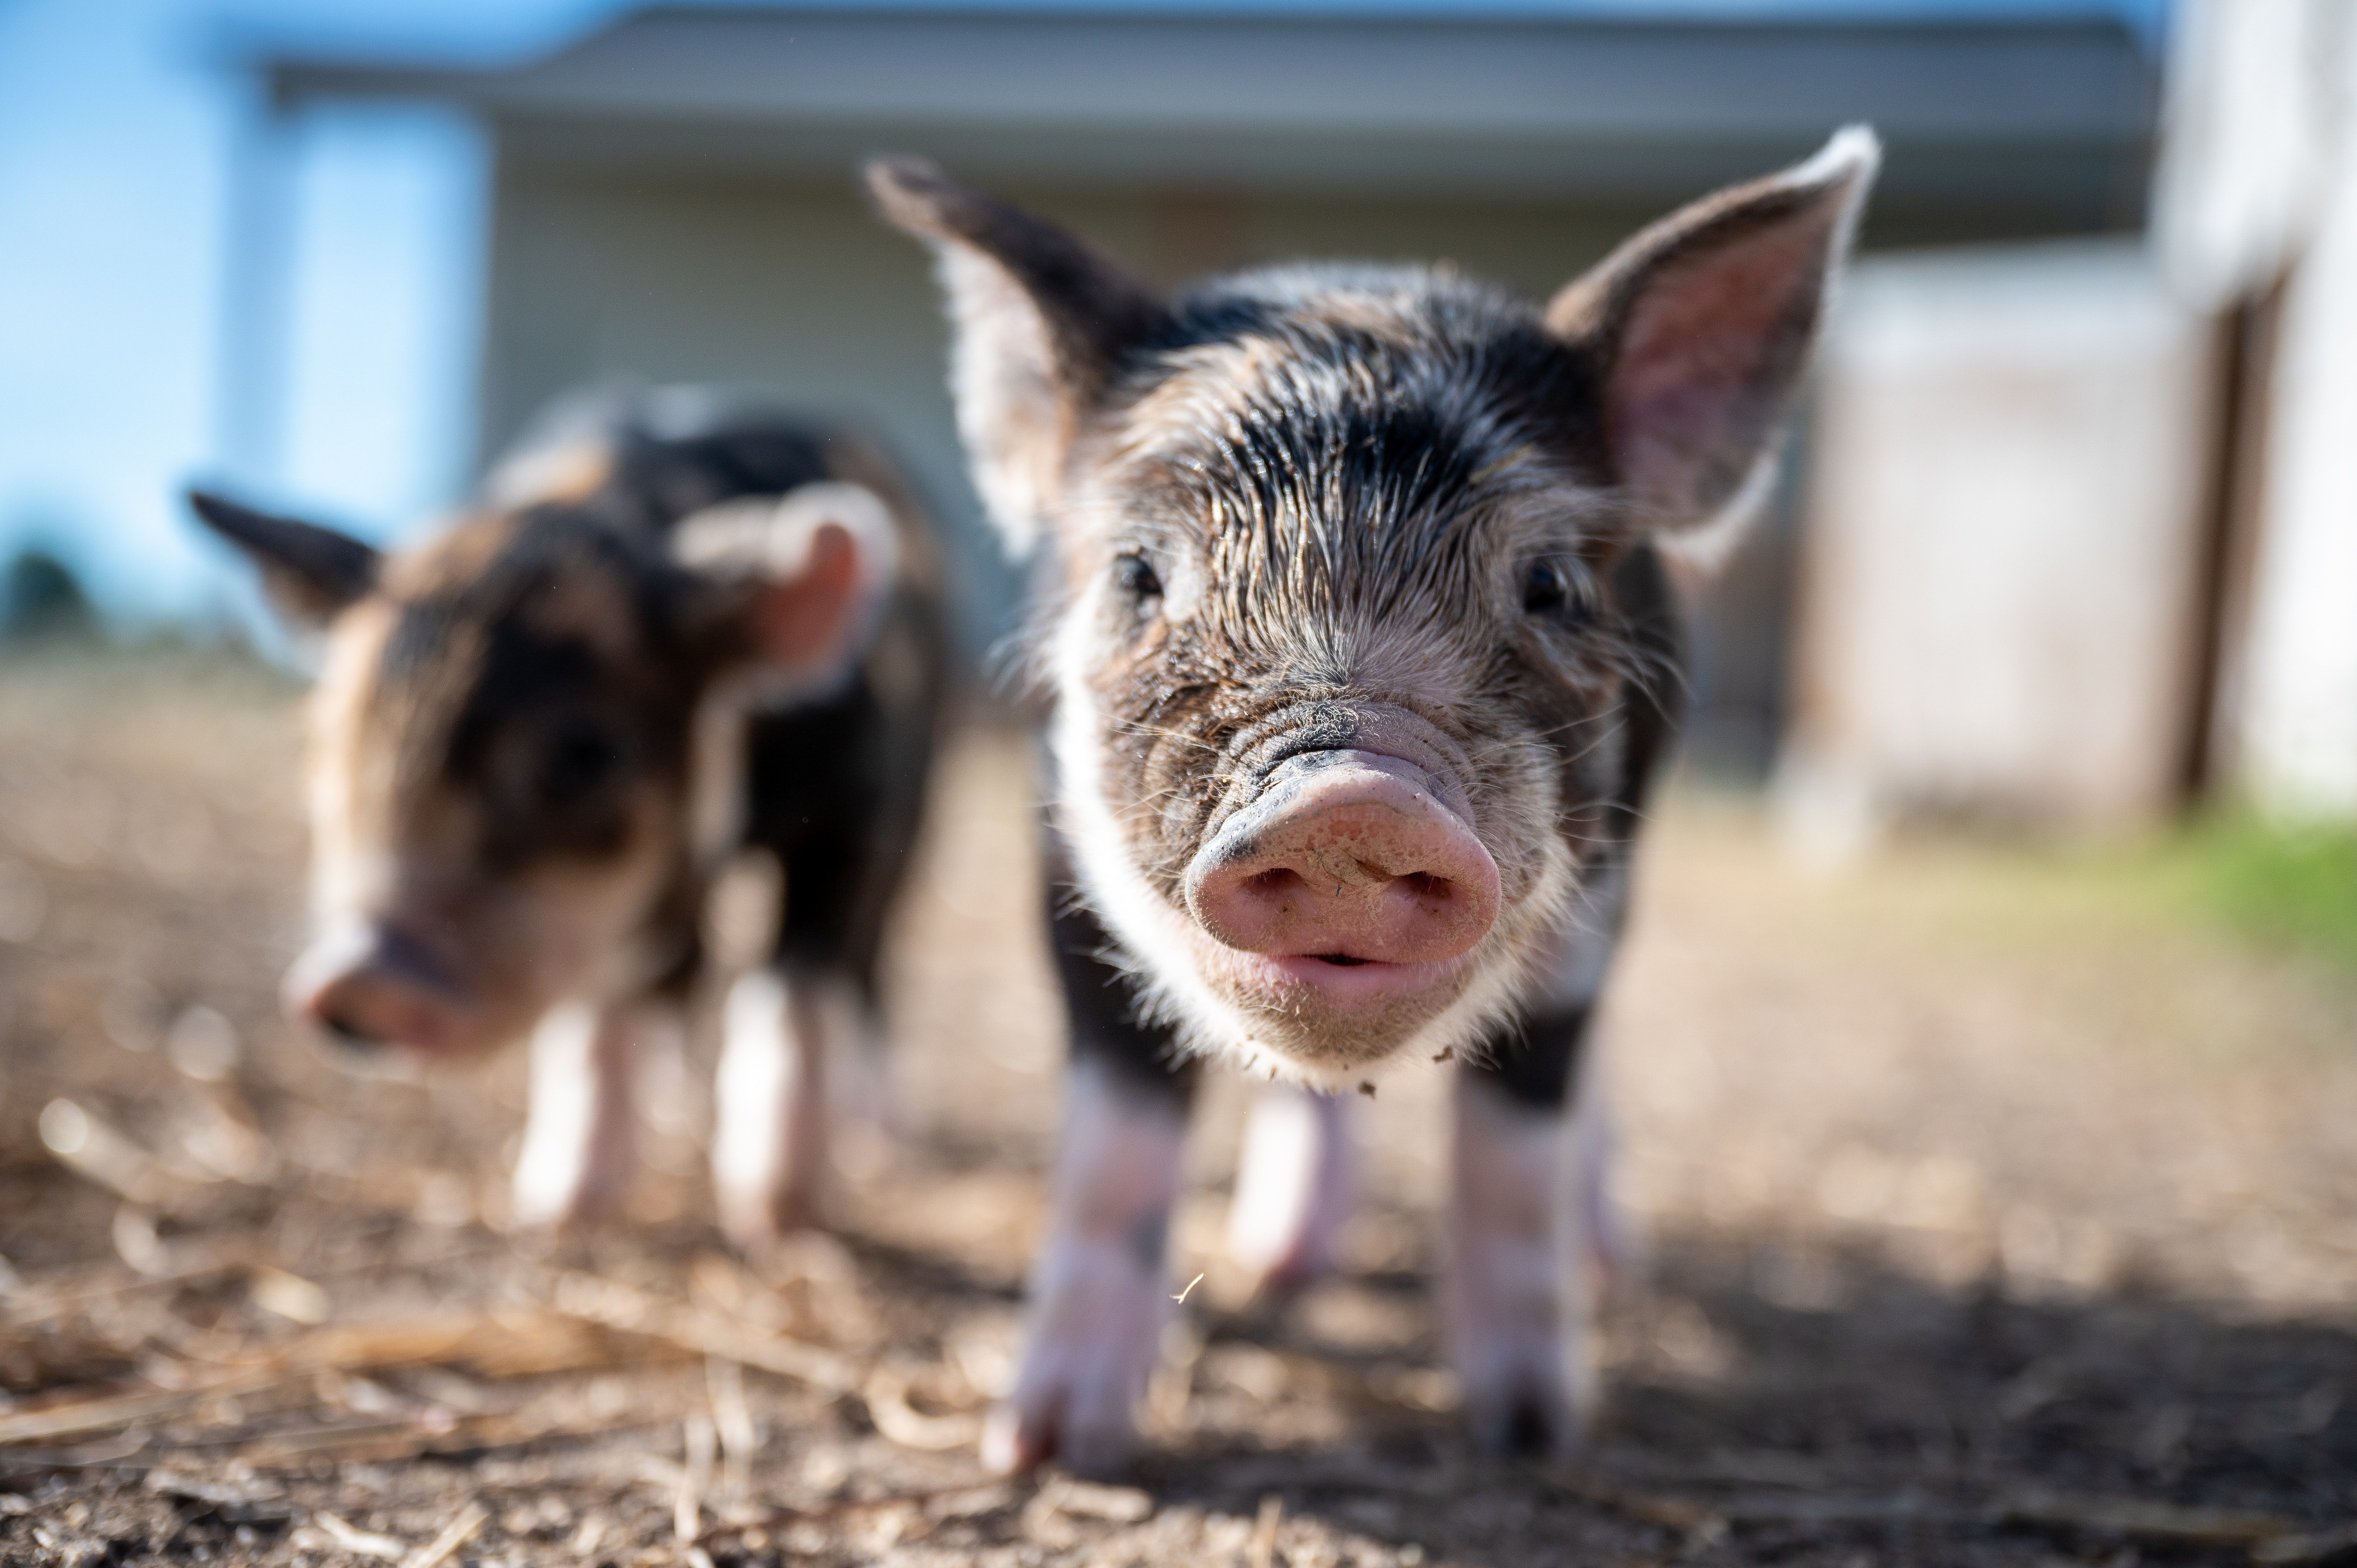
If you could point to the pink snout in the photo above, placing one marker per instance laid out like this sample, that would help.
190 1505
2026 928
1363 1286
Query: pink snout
368 986
1350 856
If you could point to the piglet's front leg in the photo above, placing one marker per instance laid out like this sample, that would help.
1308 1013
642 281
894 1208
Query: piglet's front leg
1516 1300
768 1141
580 1142
1100 1288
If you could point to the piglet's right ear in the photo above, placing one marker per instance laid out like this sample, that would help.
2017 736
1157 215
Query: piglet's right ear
1041 322
800 580
1702 324
312 573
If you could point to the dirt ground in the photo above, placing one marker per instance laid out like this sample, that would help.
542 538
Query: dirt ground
1991 1213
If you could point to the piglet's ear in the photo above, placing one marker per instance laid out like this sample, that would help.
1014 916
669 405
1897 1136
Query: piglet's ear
802 579
312 573
1704 323
1041 324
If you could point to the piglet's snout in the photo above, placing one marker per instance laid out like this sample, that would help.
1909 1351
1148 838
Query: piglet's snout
368 986
1348 855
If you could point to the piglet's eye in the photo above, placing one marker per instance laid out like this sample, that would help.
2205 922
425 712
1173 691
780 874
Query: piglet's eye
1134 575
1553 590
578 760
1548 590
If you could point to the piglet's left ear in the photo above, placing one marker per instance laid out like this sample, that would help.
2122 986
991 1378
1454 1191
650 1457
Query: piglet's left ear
804 578
1702 324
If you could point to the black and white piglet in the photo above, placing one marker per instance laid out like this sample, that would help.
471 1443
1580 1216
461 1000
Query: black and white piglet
666 631
1362 657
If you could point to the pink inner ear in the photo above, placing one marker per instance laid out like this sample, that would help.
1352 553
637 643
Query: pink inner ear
801 621
1709 350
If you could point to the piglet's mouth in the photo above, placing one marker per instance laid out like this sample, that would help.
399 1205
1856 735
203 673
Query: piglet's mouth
1335 983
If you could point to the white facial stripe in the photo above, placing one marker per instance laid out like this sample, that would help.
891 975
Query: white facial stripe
346 875
1139 916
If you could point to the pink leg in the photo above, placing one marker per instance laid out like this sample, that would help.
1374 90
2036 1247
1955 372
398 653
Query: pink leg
1100 1289
1613 1248
580 1135
768 1140
1515 1304
1293 1186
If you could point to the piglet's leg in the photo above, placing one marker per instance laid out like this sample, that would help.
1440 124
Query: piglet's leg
1615 1249
1293 1186
1101 1287
1531 1213
1515 1312
768 1143
580 1135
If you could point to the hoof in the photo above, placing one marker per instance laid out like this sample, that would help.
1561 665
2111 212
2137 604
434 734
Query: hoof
1096 1332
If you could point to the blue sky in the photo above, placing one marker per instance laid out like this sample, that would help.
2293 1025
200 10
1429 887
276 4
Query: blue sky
118 381
117 122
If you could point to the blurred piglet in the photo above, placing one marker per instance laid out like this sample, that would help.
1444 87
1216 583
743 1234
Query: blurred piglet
1362 656
668 631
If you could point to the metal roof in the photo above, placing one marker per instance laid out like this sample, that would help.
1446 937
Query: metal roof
1995 108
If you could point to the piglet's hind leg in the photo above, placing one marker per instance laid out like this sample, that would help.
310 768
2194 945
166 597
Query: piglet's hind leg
1294 1188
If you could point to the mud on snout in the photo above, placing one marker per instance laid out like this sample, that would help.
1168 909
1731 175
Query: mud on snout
1339 896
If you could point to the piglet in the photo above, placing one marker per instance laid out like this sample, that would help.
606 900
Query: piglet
1362 656
667 631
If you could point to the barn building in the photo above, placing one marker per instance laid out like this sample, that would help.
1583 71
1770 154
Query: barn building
673 201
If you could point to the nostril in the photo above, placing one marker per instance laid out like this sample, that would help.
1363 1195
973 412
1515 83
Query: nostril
1425 885
347 1031
1273 884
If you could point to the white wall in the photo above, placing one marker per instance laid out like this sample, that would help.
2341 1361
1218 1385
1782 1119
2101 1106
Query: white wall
2000 565
2297 742
376 418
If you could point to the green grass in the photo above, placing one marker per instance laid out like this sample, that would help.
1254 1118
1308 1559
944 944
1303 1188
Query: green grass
2284 887
2230 879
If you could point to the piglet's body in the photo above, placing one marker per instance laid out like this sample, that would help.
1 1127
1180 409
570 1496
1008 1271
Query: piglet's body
667 633
1361 659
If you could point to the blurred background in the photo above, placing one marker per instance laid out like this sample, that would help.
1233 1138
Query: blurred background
1983 1042
2069 541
